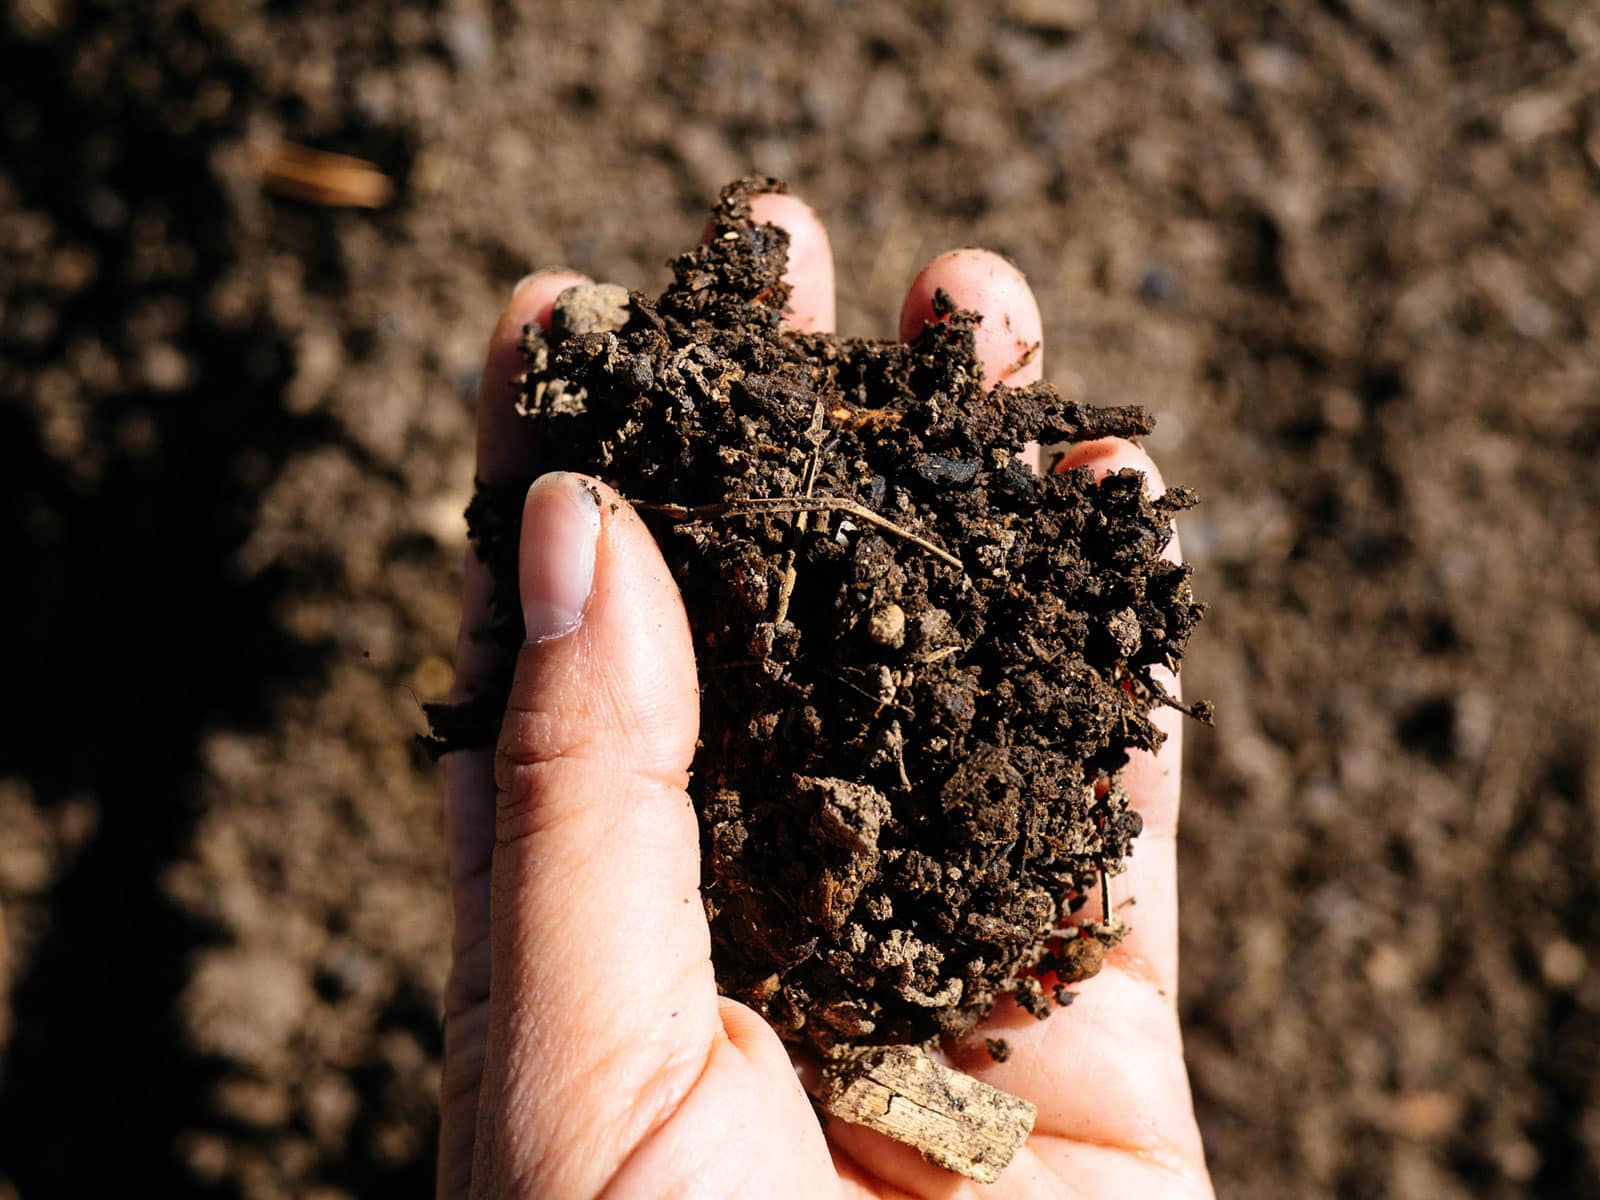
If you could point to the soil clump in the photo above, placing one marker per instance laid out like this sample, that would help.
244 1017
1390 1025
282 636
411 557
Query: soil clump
922 662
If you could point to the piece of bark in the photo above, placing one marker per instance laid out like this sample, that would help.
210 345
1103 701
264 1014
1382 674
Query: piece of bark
956 1121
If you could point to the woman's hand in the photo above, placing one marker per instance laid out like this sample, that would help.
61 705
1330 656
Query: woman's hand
586 1049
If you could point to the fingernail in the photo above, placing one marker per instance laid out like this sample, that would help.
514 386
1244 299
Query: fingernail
560 529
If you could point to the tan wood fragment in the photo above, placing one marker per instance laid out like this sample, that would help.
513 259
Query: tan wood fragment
956 1121
322 177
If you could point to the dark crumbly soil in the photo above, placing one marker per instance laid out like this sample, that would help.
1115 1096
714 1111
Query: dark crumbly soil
921 662
1348 251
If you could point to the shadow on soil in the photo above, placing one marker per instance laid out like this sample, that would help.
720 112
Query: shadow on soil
126 631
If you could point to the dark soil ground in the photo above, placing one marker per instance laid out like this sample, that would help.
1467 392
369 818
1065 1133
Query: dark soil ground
1348 252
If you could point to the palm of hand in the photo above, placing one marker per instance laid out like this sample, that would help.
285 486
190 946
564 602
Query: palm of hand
587 1050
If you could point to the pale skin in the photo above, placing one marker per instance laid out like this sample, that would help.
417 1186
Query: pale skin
587 1052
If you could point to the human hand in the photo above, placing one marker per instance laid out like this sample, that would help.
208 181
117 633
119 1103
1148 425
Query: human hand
587 1051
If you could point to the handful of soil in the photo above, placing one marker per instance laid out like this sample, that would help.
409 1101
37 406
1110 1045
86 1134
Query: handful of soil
922 663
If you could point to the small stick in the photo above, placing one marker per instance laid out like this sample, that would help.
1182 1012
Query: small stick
321 177
786 590
1200 710
760 505
864 418
900 755
861 691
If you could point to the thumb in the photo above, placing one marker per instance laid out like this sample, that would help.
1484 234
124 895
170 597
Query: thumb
602 1005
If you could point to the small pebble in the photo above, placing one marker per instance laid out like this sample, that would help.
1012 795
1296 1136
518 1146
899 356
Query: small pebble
1080 959
590 308
1123 626
1563 964
887 626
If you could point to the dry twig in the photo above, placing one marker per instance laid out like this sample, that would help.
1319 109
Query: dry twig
757 506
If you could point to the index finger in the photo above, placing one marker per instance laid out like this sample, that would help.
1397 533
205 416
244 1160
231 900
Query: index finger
809 269
504 442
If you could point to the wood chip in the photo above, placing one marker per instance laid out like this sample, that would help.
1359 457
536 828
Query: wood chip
321 177
956 1121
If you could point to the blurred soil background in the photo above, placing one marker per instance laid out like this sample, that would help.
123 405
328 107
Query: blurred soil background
1349 251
